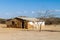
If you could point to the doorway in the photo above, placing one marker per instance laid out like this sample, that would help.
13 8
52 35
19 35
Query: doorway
23 26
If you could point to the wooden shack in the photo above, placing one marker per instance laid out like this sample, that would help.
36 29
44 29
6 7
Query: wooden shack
22 22
16 23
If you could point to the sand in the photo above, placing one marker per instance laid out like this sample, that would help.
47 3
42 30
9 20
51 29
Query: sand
18 34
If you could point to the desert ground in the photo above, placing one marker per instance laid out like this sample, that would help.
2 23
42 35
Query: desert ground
20 34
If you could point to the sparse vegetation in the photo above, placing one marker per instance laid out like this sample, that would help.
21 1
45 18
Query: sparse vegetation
51 20
2 21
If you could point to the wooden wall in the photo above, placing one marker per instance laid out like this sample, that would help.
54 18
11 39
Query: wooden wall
16 23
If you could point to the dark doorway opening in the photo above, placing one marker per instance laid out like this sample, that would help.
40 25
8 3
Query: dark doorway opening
13 22
22 24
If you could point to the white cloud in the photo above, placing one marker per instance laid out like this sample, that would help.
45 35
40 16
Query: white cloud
57 10
33 12
41 11
38 12
54 10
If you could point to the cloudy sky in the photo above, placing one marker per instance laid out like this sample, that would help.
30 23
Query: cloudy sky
14 8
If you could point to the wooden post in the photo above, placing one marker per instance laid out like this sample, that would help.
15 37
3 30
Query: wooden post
40 27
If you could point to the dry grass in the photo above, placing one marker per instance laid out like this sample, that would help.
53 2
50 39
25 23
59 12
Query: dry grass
51 27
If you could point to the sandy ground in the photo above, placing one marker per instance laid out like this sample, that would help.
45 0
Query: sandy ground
18 34
51 27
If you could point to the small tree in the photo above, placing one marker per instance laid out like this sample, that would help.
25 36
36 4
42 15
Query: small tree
44 15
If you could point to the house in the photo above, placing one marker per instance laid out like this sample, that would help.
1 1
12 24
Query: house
24 22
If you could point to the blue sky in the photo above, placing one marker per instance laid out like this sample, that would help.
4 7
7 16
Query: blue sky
14 8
